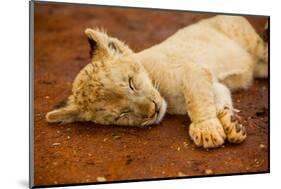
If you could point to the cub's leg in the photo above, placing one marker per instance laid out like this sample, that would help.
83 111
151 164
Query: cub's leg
234 130
241 78
206 129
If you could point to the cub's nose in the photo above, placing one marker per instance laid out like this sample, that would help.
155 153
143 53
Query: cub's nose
153 109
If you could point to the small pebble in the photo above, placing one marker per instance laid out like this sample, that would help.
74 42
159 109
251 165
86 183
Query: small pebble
56 144
58 132
116 137
105 139
101 179
262 146
39 115
47 97
90 155
236 110
256 161
181 174
178 149
208 171
185 144
68 137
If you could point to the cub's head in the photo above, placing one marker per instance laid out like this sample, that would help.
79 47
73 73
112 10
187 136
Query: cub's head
113 89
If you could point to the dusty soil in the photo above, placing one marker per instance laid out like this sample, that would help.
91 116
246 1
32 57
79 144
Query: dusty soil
82 152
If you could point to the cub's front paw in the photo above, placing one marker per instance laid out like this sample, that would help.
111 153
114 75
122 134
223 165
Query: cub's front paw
209 133
235 131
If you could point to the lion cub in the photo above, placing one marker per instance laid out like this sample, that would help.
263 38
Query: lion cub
192 72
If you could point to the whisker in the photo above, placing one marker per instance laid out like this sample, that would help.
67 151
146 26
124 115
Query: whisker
144 123
156 84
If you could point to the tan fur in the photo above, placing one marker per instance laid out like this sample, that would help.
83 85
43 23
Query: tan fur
192 70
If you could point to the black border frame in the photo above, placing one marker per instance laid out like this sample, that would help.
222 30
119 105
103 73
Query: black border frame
31 97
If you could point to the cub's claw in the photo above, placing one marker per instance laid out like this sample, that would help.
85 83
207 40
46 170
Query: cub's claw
234 130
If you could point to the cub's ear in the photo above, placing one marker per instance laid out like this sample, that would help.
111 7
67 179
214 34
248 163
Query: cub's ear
98 42
102 46
66 113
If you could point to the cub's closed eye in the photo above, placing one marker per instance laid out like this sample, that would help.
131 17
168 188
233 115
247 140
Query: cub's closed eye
131 84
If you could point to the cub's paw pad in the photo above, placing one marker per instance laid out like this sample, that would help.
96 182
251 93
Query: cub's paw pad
232 124
209 133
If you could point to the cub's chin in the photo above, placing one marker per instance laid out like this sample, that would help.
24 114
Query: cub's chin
161 113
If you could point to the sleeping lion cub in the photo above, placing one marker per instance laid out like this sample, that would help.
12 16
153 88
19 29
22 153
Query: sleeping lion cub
192 72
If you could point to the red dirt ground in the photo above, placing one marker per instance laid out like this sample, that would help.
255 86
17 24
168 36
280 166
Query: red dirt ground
81 152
